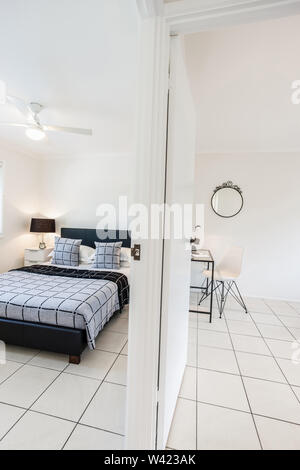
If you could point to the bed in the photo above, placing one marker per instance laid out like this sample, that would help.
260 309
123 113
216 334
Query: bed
62 309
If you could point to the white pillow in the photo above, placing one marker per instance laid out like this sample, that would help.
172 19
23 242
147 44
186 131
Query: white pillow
86 254
125 258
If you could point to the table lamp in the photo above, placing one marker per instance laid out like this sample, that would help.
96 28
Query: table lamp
42 226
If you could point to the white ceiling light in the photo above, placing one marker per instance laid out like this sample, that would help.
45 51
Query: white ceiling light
35 133
2 92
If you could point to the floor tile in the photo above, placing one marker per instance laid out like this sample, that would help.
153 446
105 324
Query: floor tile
193 319
26 385
50 360
280 307
125 312
295 306
256 305
125 350
6 370
9 416
111 341
297 392
242 328
223 429
221 389
217 359
275 332
217 324
291 370
237 315
189 384
19 354
183 431
107 410
261 367
37 432
192 355
193 335
67 397
214 339
118 372
266 318
295 332
289 314
232 304
118 325
272 400
85 438
282 349
94 364
250 344
277 435
293 322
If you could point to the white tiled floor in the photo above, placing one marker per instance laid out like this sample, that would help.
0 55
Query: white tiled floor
241 389
45 403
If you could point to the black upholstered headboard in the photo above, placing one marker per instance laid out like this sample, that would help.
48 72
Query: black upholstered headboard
90 236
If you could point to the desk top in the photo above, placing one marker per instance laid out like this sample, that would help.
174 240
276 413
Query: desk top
202 256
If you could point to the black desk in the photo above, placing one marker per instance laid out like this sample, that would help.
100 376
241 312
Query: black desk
205 256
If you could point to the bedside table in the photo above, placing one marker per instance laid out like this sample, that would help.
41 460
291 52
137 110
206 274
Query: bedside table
36 256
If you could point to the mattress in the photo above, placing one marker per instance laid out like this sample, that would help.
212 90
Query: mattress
72 298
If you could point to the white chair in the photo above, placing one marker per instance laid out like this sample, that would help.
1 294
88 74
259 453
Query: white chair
225 276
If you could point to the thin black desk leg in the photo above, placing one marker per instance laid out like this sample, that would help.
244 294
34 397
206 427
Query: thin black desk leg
207 280
212 290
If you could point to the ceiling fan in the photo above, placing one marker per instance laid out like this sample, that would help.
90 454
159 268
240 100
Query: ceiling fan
34 129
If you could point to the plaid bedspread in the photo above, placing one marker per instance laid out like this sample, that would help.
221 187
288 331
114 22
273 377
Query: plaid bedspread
72 298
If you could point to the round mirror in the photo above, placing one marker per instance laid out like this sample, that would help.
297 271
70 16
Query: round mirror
227 200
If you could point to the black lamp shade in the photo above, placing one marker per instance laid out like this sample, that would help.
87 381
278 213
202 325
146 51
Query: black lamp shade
42 226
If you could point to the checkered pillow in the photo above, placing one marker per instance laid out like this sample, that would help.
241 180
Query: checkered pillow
66 252
107 255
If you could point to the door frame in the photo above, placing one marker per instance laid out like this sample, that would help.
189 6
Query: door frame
157 21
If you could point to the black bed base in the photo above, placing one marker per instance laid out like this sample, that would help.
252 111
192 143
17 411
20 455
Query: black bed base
45 337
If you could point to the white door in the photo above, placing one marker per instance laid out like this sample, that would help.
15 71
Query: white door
181 150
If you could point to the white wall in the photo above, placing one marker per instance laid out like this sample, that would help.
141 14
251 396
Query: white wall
248 132
20 203
72 189
69 190
269 225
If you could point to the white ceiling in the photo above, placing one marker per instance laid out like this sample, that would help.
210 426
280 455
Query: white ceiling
79 59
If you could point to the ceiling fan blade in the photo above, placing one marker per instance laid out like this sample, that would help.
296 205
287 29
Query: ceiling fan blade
13 124
71 130
2 92
22 107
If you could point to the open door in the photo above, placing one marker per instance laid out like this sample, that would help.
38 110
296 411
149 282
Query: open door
181 148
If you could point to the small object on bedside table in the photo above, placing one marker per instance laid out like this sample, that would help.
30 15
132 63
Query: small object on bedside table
42 226
36 256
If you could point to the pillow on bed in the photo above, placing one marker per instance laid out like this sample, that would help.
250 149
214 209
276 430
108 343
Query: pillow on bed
86 254
107 255
125 257
66 252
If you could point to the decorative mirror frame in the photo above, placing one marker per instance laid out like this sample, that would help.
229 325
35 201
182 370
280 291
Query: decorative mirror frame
228 185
